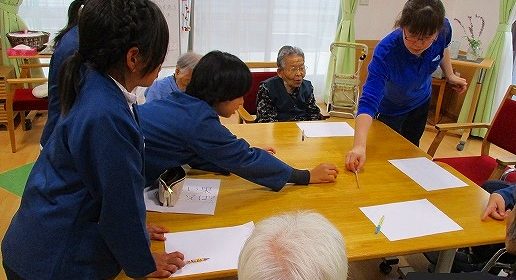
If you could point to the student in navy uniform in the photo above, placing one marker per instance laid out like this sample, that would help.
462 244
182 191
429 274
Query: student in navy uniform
287 96
399 84
82 214
177 82
66 43
185 128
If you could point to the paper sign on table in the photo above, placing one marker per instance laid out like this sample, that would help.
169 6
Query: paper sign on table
199 196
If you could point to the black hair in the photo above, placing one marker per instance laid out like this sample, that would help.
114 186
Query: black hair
73 18
422 17
107 30
219 77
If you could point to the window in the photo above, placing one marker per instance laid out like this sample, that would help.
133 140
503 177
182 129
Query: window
254 30
45 15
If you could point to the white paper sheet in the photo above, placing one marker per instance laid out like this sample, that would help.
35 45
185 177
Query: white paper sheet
221 245
326 129
409 219
427 173
199 196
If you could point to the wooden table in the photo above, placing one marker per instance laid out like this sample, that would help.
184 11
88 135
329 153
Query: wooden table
240 201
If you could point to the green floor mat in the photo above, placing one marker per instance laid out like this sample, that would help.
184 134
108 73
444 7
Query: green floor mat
14 180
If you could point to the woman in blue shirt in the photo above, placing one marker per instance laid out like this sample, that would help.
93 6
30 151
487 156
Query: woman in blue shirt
82 214
185 129
398 87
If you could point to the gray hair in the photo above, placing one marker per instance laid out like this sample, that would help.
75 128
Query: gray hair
286 51
188 60
294 246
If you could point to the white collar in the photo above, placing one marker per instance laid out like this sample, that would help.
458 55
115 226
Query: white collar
129 96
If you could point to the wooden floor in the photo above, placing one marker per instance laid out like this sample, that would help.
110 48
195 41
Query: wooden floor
28 150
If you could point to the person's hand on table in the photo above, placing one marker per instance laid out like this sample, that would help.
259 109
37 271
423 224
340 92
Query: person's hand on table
324 173
495 207
355 159
156 232
167 264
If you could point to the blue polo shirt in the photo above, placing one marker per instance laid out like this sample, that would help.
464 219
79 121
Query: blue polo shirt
399 81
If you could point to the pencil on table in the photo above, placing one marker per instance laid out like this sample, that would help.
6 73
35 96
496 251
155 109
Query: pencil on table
356 179
196 260
379 226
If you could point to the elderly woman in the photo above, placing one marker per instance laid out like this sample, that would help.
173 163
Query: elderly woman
287 96
177 82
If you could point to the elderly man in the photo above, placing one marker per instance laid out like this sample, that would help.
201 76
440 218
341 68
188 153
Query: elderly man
294 246
177 82
287 96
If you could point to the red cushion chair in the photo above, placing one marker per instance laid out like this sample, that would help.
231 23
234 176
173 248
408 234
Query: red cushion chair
501 132
20 100
246 113
250 96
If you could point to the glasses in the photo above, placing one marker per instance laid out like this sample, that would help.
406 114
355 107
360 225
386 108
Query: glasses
414 39
294 70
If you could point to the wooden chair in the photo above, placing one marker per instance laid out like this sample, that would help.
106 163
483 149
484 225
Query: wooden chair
20 99
501 132
247 113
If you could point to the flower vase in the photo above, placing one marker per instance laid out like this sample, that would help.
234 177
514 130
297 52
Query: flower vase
473 52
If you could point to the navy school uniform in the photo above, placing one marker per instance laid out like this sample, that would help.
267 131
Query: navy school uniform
82 214
66 47
181 129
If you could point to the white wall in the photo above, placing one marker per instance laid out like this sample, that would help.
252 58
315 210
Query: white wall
376 20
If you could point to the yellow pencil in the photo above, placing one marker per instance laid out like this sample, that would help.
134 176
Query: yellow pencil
196 260
356 178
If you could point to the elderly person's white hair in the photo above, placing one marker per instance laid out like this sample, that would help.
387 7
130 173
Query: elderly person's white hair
294 246
188 60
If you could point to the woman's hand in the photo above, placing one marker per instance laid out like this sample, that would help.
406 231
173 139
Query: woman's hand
167 264
156 232
355 159
323 173
458 84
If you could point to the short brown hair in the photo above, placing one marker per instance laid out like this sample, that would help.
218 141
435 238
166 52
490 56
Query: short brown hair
422 17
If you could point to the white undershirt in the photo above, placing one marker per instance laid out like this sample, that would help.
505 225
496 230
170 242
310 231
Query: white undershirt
129 96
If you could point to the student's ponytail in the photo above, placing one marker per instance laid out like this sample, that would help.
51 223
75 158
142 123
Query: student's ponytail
107 30
69 81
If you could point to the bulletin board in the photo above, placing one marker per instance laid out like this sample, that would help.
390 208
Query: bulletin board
170 9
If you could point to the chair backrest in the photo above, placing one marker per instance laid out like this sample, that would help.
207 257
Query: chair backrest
371 45
502 132
250 96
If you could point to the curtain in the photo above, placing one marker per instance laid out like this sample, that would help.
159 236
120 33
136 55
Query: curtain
345 33
499 77
9 21
228 25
